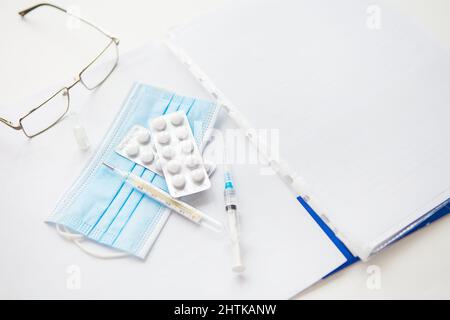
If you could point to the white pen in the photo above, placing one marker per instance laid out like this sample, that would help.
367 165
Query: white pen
233 221
167 200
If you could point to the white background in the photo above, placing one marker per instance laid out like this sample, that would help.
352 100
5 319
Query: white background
416 267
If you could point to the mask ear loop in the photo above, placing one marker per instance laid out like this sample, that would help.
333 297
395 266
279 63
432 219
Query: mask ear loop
78 239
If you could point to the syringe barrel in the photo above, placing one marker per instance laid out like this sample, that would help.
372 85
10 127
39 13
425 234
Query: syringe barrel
230 197
233 221
233 225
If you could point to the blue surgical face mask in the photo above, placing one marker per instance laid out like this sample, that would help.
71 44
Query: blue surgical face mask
100 206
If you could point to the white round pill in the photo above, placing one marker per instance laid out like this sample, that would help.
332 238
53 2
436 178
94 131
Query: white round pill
174 167
187 147
192 162
132 150
178 181
176 119
168 152
159 124
198 175
163 137
147 157
143 137
182 133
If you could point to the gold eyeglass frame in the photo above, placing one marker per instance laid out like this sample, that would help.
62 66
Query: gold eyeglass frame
78 79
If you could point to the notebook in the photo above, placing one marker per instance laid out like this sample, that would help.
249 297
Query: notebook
359 94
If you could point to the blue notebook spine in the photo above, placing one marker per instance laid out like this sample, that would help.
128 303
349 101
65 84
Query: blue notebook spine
435 214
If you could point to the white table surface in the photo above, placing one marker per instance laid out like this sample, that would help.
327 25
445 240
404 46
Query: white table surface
415 267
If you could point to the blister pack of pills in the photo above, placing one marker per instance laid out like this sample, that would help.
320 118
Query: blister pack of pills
181 161
138 147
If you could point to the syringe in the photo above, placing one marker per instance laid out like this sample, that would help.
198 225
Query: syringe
233 222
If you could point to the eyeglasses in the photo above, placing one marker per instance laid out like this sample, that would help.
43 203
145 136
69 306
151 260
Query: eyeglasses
52 110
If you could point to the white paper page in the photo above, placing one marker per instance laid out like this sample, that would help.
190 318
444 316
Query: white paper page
285 251
362 109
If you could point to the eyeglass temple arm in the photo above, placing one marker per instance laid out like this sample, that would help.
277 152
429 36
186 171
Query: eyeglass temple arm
26 11
10 124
